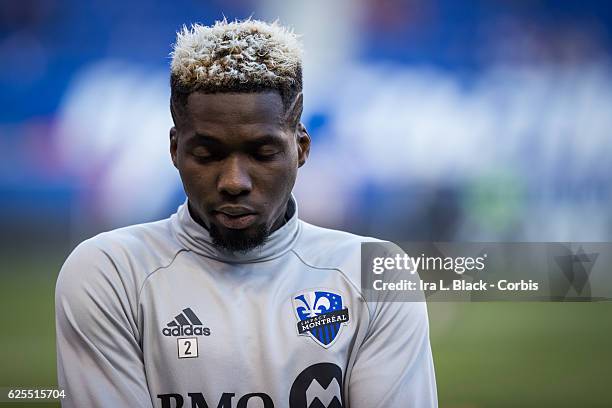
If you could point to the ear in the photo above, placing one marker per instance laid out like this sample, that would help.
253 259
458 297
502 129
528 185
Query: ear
173 144
294 113
303 143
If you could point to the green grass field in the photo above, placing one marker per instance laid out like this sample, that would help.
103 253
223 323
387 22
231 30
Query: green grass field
523 354
486 354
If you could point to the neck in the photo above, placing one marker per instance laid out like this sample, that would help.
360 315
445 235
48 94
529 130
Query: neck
195 236
282 218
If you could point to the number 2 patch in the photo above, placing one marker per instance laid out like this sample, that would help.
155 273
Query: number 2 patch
187 347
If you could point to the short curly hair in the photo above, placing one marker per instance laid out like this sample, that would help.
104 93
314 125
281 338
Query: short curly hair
237 56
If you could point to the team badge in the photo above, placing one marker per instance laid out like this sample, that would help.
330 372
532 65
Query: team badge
320 315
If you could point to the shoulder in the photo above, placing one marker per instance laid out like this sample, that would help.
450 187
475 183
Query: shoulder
325 248
150 245
329 242
120 258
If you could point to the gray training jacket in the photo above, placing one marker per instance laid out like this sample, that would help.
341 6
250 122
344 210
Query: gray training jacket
154 315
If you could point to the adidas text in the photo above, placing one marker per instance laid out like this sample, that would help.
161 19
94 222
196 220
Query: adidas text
186 331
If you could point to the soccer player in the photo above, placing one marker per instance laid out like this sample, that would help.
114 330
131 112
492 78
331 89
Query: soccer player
233 301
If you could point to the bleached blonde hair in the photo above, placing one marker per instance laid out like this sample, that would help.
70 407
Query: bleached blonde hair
236 56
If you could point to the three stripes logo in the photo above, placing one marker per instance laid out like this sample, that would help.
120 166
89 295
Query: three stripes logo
186 323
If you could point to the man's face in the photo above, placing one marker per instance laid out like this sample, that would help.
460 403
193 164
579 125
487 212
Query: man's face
238 156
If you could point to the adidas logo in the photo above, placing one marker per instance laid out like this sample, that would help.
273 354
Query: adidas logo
186 324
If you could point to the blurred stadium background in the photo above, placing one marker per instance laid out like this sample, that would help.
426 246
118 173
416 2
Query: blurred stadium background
431 120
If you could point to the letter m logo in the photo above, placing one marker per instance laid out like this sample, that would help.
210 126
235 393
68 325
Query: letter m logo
318 386
325 395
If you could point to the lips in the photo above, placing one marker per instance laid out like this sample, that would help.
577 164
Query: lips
235 217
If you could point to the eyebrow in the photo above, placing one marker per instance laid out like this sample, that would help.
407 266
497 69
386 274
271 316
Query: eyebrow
202 138
206 139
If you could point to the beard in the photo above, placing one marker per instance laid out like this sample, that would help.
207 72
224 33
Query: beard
239 240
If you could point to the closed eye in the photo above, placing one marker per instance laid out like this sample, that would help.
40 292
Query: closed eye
267 152
202 152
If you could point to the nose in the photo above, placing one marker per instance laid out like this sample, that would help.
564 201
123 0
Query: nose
234 178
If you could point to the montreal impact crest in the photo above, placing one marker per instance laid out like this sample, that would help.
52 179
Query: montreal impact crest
320 315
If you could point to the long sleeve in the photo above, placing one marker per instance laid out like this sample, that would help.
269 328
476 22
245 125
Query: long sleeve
100 362
394 366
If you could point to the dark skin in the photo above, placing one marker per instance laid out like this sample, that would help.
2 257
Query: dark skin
238 156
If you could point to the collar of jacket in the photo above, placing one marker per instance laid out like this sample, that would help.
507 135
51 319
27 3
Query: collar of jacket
197 239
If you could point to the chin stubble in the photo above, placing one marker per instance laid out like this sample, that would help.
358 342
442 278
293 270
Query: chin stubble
239 240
